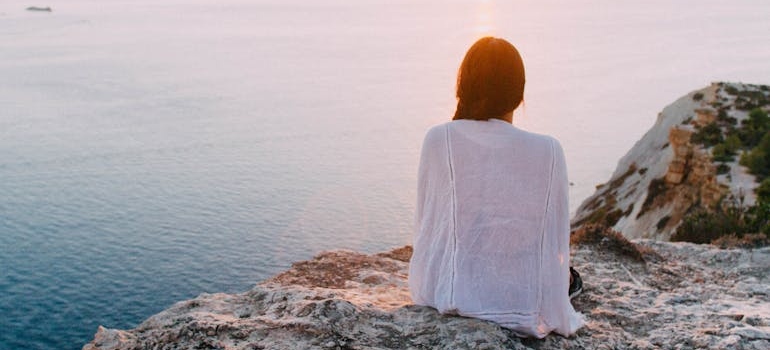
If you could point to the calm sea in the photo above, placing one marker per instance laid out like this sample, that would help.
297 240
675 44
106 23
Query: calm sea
153 150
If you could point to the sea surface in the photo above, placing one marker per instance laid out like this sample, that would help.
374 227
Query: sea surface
153 150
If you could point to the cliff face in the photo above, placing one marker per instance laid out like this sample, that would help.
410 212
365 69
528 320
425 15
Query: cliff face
667 174
684 296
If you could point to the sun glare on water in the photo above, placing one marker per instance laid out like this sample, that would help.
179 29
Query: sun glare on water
484 25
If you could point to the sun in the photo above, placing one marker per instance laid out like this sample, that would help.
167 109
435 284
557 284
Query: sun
484 22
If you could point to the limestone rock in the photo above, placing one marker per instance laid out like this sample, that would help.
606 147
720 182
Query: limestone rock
666 175
688 297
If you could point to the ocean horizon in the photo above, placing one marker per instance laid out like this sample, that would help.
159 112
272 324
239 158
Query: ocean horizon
151 151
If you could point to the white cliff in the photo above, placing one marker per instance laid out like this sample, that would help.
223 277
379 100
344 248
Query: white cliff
665 175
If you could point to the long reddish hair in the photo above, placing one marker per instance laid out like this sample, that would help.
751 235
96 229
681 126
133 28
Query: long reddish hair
490 82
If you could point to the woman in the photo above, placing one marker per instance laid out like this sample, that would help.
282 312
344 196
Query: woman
492 220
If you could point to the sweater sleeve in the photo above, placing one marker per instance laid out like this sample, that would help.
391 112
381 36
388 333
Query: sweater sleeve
556 310
428 268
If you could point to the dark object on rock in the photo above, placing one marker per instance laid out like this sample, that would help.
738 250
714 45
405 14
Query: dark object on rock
39 9
575 284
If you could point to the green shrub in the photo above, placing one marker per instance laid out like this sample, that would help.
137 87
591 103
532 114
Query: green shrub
725 119
759 116
758 218
725 151
763 191
750 99
754 128
708 135
722 114
697 96
720 153
702 226
758 159
733 142
723 168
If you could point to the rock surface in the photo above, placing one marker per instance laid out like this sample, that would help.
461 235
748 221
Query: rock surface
685 296
666 175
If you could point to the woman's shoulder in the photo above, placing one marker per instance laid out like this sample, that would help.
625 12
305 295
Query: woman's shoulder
437 129
536 137
550 145
436 134
534 140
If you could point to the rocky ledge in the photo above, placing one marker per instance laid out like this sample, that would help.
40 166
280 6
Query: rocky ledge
647 295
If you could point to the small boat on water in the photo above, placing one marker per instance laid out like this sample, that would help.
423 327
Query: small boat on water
39 9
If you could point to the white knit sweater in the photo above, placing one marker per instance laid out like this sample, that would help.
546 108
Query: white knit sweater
492 227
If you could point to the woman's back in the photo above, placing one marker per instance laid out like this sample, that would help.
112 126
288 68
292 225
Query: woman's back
492 238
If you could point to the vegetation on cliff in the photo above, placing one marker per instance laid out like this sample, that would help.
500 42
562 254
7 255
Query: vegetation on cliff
727 226
700 174
731 220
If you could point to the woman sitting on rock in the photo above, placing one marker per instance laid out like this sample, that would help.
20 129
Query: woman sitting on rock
492 220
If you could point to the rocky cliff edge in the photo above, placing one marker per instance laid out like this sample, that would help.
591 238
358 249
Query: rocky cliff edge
648 295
